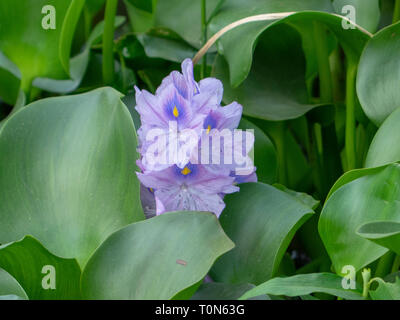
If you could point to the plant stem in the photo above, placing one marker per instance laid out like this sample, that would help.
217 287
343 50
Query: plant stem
396 11
281 152
108 42
325 76
396 264
331 154
204 29
384 265
350 117
87 21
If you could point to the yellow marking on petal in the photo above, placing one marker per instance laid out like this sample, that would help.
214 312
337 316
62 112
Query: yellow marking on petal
208 129
186 171
151 189
175 112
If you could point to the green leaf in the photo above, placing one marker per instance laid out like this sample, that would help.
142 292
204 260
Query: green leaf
156 45
10 289
264 153
261 220
9 80
223 291
349 176
386 290
78 64
35 50
156 258
267 93
67 172
384 233
385 146
29 263
94 6
304 198
181 16
371 197
144 5
141 20
304 284
67 31
380 61
367 12
238 45
184 17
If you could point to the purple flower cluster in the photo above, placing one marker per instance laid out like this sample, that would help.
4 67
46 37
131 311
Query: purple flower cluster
185 183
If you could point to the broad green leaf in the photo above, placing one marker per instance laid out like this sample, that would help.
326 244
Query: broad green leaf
261 220
67 172
10 289
78 64
304 284
181 16
156 258
349 176
385 146
141 20
373 196
384 233
157 46
367 12
237 45
264 153
184 17
224 291
33 266
386 290
380 61
34 49
304 198
267 93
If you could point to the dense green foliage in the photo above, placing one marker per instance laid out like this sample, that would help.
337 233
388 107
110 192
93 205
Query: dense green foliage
320 92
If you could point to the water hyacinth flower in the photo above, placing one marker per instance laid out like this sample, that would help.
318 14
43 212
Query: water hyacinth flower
188 182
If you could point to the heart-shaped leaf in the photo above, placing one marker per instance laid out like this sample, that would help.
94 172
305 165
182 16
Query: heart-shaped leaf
67 172
261 220
373 196
156 258
43 275
266 93
237 45
380 61
304 284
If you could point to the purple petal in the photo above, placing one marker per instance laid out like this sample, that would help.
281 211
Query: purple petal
187 70
212 86
149 108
